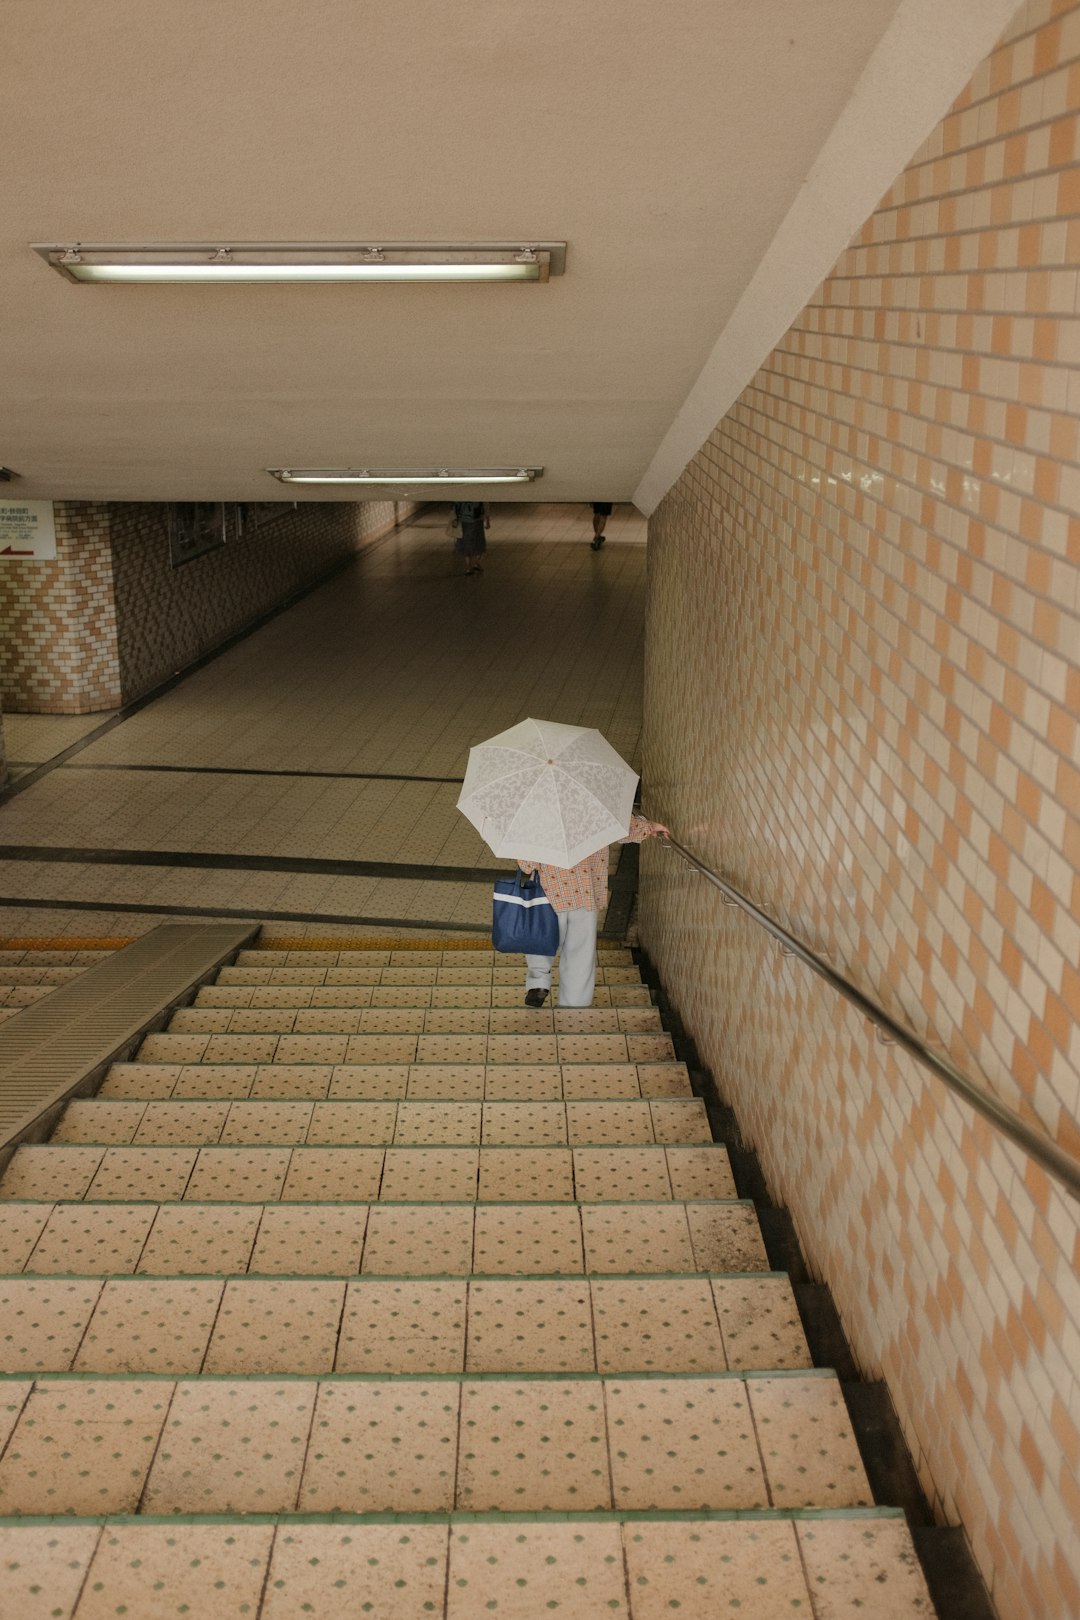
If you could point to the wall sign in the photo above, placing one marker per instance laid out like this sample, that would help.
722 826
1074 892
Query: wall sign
27 531
195 527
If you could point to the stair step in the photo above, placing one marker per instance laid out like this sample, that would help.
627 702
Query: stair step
505 1124
447 1082
506 1239
395 1019
470 960
333 1174
397 1047
482 1444
399 995
245 1325
491 977
858 1562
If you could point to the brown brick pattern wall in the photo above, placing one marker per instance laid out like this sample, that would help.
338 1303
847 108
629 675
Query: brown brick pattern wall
862 692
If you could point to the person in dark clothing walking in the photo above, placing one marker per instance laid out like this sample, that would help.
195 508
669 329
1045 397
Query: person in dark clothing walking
601 511
473 520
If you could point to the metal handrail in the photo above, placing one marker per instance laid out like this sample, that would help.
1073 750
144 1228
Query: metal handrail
1055 1160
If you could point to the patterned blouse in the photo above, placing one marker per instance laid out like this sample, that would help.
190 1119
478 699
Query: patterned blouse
584 887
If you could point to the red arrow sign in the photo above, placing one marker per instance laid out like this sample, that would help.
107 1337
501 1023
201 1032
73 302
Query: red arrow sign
10 551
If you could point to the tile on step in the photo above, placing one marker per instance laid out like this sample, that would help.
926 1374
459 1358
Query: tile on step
811 1457
26 1550
708 1568
461 995
637 1237
679 1119
629 995
657 1325
14 1394
683 1443
310 1241
173 1048
262 1021
592 1049
42 1322
21 1225
515 1175
143 1326
625 1122
760 1323
96 1241
521 1571
522 1049
199 1021
523 1082
215 1080
857 1567
398 999
456 1021
649 1048
606 1173
438 1124
700 1172
359 973
392 1571
382 1448
297 975
231 1447
519 1241
237 1175
400 1020
450 1049
382 1048
726 1237
464 975
83 1447
639 1019
299 1049
140 1080
290 1326
524 1124
664 1080
326 1021
157 1571
409 974
189 1240
404 1242
522 1021
521 1325
181 1124
50 1172
530 1446
95 1120
352 1124
336 995
230 995
582 1081
429 1175
403 1327
586 1021
156 1174
304 1082
369 1080
266 1122
334 1175
446 1082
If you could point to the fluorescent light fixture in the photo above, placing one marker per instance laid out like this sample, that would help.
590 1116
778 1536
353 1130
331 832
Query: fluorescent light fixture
203 262
406 475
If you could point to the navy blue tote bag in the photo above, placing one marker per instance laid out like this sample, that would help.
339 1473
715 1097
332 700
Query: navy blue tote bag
522 917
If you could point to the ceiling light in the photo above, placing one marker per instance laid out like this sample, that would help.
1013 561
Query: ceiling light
406 475
269 261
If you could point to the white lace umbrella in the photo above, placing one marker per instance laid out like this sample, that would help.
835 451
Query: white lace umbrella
546 792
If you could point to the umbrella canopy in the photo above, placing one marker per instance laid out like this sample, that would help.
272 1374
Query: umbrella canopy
546 792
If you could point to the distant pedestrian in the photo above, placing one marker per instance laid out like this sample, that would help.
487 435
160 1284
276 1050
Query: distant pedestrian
601 511
473 520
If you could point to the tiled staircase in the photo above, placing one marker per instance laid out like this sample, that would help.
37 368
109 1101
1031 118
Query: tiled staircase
366 1290
28 974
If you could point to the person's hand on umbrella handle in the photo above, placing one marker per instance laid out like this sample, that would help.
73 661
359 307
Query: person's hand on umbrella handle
657 828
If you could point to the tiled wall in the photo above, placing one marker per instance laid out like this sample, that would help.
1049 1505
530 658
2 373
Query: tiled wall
862 696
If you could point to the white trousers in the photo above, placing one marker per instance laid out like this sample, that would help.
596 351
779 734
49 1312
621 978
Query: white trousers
577 960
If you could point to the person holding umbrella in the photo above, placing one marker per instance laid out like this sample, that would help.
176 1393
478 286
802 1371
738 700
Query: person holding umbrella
553 797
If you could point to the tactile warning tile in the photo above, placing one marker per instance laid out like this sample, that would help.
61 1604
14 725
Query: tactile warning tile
237 1175
227 1080
144 1326
603 1174
391 1021
300 1082
329 995
83 1447
21 1225
531 1446
446 1082
625 1237
512 1241
143 1172
99 1121
522 1049
586 1021
523 1082
863 1567
760 1322
450 1049
726 1237
199 1020
524 1124
231 1447
387 1048
264 1123
310 1241
592 1049
678 1120
626 995
173 1049
261 1021
295 1049
181 1124
188 1240
662 1325
50 1172
623 1122
438 1123
456 1021
372 1080
42 1322
704 1569
94 1241
664 1080
156 1572
519 1174
525 1326
649 1048
333 1174
140 1080
700 1172
390 1571
360 1124
409 975
276 1327
28 1550
430 1175
586 1081
382 1448
325 1021
806 1439
404 1242
462 995
232 995
683 1444
403 1327
522 1571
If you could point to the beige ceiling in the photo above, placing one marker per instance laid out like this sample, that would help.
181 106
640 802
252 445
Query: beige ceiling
664 142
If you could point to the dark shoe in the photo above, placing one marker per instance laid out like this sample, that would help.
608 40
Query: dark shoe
597 543
535 998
